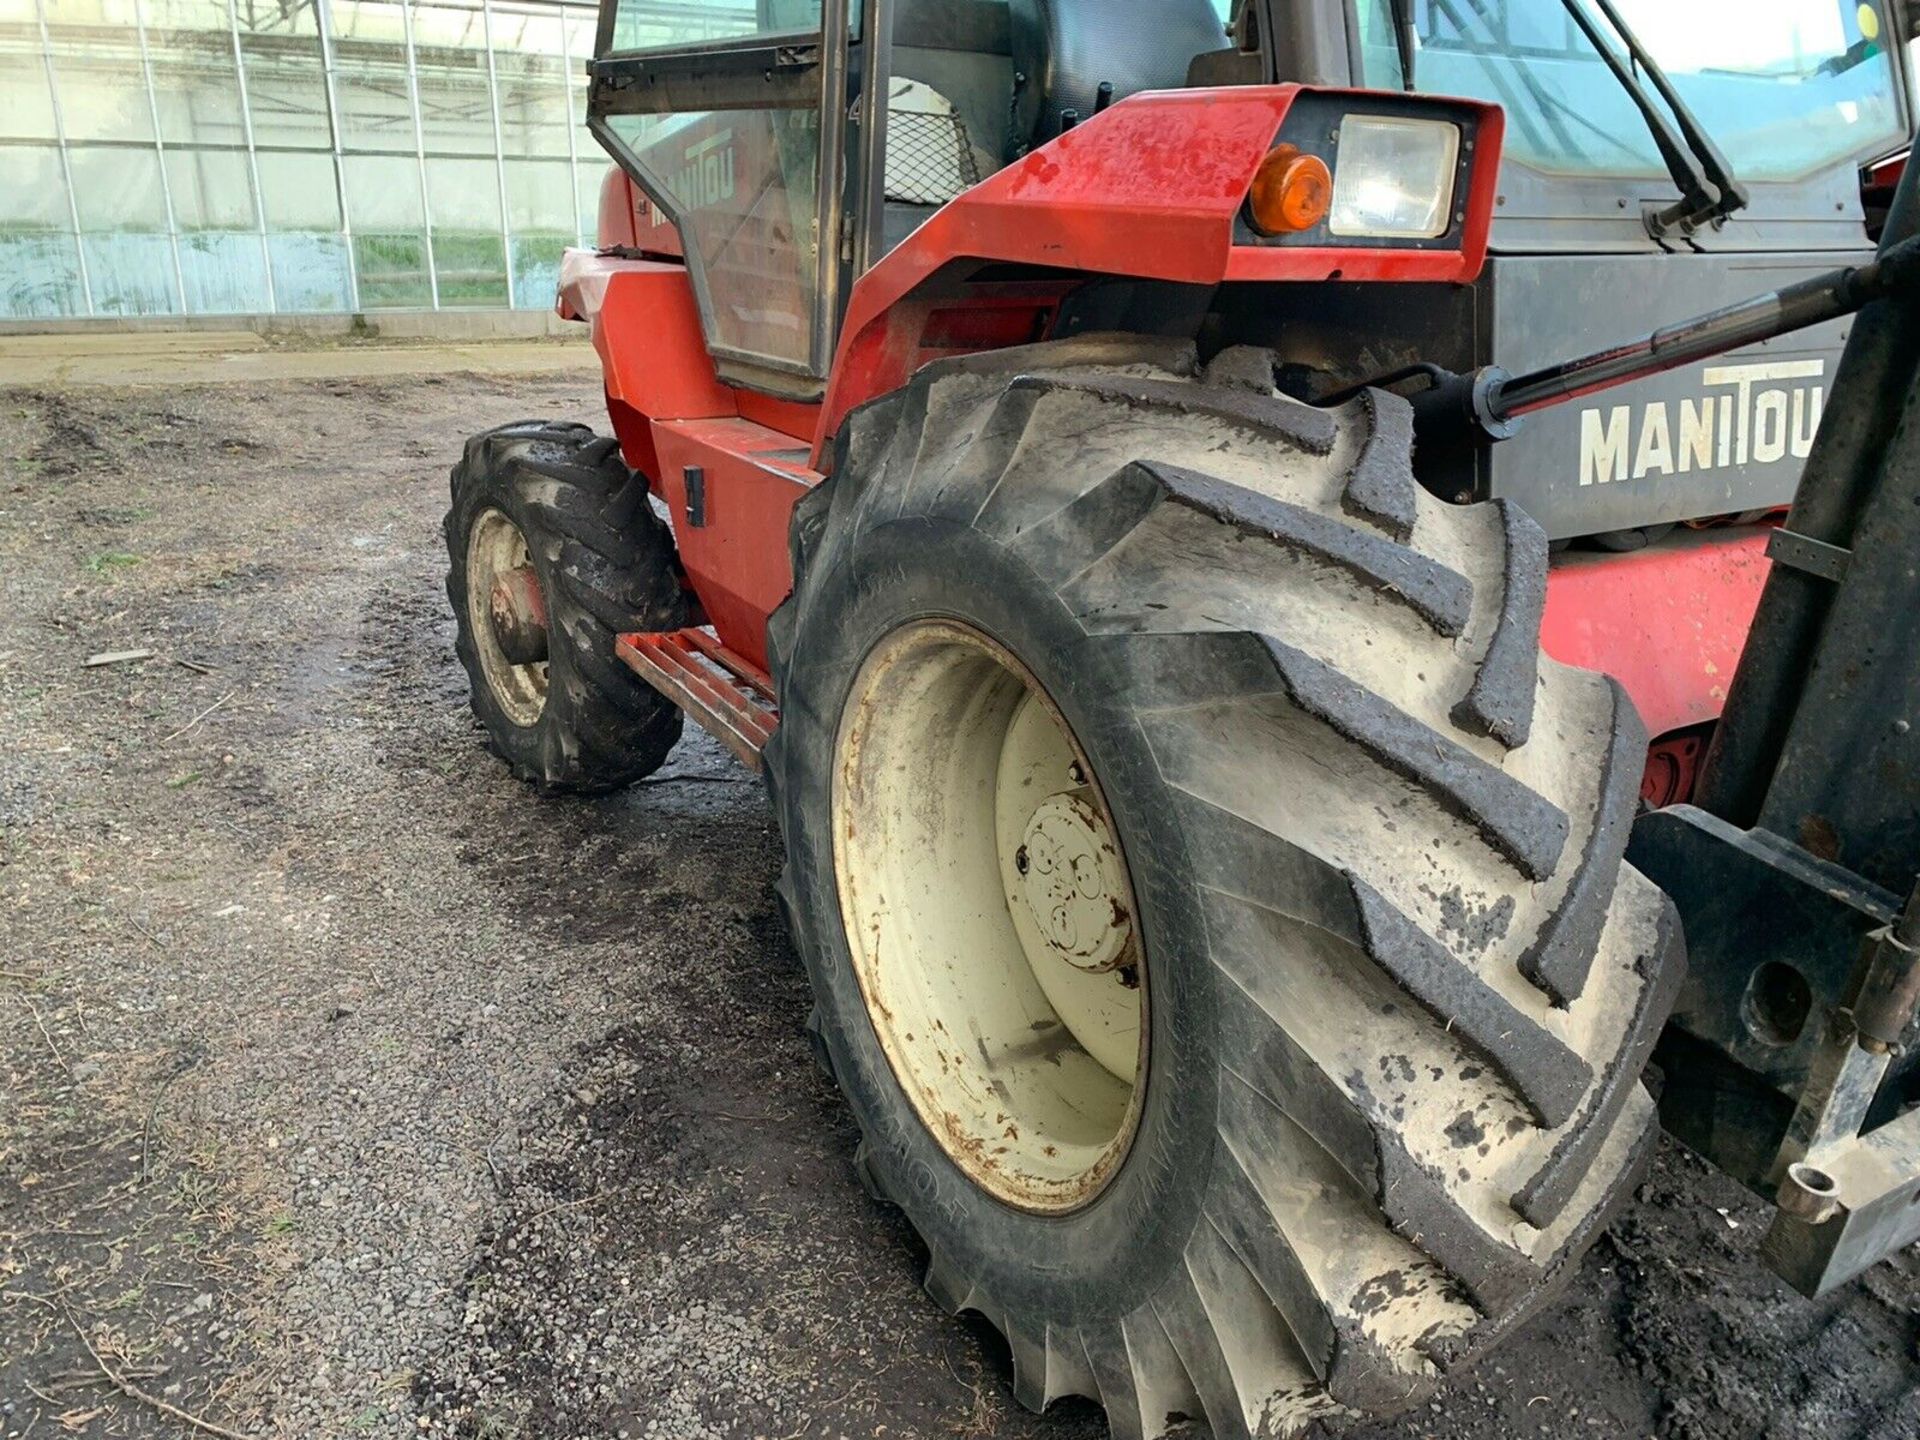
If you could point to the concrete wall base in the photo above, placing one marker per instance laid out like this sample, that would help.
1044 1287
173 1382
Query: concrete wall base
433 325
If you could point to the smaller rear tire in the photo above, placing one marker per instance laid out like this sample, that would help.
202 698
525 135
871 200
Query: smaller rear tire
558 500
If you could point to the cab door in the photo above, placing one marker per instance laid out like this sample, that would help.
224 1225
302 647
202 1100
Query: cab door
735 118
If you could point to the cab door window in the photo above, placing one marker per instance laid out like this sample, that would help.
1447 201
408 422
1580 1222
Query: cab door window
743 184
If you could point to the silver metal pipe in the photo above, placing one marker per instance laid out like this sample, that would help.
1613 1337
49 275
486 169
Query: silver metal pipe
160 154
253 154
573 147
324 25
499 145
420 151
66 159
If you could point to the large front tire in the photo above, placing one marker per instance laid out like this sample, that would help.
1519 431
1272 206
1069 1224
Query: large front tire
1398 984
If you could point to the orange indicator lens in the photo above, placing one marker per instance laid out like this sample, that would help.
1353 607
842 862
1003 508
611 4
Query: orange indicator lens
1291 192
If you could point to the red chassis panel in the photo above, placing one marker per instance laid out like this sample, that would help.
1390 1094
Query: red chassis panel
733 534
1668 622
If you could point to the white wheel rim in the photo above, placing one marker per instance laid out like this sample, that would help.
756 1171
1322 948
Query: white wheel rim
990 916
495 546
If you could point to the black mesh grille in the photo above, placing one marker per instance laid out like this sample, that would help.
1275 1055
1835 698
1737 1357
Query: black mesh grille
930 158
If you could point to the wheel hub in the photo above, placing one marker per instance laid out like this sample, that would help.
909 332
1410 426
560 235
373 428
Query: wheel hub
988 909
507 617
1073 884
518 615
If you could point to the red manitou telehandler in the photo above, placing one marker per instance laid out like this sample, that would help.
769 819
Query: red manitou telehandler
1108 464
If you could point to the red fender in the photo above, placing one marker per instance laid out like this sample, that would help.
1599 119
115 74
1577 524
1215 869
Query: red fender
1150 188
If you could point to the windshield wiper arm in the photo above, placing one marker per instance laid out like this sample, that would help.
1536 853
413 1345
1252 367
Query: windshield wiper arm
1709 193
1403 39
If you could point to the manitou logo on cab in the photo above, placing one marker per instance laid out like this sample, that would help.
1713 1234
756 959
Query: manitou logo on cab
1759 413
706 180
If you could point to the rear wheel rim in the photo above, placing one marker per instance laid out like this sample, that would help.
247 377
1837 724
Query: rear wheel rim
496 546
990 916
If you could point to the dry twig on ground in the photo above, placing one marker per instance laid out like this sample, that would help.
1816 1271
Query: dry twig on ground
134 1392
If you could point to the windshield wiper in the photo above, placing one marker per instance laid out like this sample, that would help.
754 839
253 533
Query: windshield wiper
1709 193
1403 40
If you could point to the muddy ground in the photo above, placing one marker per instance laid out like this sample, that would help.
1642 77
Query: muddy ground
346 1091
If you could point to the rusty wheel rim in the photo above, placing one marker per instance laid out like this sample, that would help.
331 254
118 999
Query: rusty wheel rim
990 916
495 548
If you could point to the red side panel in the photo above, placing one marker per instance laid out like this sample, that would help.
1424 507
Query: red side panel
653 355
935 323
1886 175
733 543
652 230
646 329
790 417
1668 622
630 220
615 225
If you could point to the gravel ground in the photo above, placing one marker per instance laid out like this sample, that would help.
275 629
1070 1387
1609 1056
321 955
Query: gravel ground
348 1091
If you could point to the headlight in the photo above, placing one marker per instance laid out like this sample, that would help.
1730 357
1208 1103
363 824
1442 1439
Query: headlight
1394 177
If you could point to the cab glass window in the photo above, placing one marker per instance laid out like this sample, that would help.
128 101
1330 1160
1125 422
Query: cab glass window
651 25
1785 87
746 183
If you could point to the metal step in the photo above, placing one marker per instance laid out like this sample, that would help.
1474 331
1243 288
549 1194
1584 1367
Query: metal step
726 694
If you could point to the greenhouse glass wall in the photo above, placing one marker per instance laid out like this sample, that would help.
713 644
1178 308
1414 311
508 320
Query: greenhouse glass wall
218 157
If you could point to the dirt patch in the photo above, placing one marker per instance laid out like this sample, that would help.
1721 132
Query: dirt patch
123 1266
374 1098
